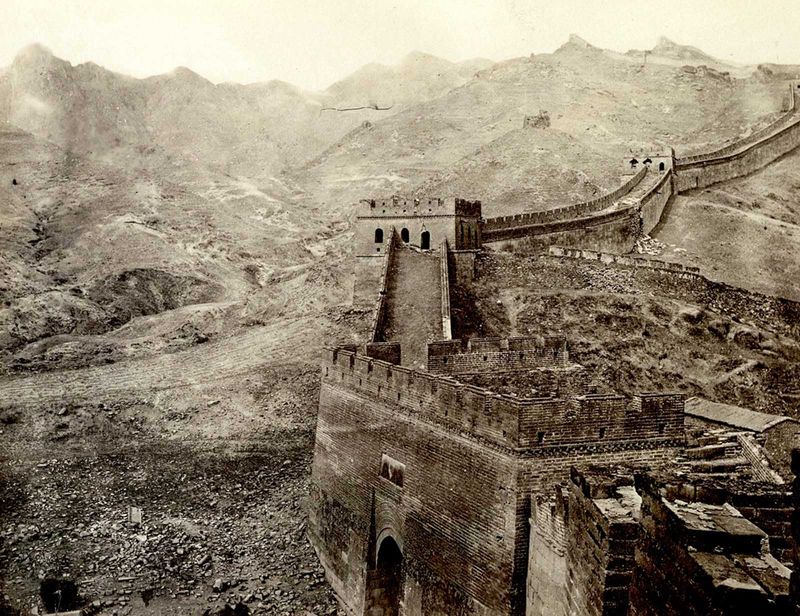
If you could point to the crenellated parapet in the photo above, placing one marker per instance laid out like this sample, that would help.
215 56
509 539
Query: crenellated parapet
615 221
481 355
521 424
399 207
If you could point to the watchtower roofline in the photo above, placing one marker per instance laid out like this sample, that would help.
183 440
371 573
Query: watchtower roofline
399 207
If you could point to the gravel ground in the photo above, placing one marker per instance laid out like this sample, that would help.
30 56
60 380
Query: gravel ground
221 486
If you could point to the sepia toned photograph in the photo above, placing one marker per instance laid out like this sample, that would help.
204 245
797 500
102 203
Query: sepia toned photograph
399 308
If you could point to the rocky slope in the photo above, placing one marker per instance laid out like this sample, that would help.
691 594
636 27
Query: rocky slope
173 252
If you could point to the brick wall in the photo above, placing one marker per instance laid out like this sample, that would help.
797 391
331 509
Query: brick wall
602 530
578 210
547 562
696 558
480 355
741 158
612 231
444 273
539 424
380 310
453 517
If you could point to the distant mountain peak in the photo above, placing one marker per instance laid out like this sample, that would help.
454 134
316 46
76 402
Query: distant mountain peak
188 75
34 54
669 48
577 41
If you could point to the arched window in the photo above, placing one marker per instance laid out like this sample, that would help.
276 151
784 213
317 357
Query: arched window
661 166
379 236
425 240
404 235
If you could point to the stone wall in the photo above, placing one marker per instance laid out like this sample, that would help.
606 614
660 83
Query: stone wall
710 171
772 313
444 273
599 422
578 210
379 315
626 260
480 355
601 537
614 231
454 220
471 460
597 225
696 558
547 560
652 204
453 516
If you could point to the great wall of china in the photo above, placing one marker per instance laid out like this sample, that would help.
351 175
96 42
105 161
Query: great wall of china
433 494
614 222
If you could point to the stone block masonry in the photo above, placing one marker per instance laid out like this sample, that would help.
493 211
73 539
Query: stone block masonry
697 558
470 460
482 355
601 536
452 517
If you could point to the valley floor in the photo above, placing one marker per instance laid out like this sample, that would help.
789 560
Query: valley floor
214 444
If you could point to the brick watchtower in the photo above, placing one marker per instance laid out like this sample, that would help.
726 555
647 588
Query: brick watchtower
423 223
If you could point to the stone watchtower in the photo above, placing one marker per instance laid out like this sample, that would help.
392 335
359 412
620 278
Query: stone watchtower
421 223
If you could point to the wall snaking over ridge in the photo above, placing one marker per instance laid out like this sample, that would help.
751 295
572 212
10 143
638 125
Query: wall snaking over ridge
615 221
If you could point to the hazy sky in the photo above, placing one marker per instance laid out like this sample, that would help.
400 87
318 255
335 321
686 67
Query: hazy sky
313 43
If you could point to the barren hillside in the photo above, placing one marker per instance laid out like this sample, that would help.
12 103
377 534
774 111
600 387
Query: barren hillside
174 253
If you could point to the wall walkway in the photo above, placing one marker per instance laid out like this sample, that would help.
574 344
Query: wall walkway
413 303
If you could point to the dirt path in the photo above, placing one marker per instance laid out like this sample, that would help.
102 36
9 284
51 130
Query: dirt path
271 345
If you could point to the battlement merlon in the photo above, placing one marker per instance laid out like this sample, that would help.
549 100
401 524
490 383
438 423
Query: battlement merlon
644 421
398 207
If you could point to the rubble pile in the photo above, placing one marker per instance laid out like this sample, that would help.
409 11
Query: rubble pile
647 245
224 533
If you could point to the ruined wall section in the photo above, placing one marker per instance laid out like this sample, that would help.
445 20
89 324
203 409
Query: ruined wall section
601 536
699 558
676 280
481 355
628 261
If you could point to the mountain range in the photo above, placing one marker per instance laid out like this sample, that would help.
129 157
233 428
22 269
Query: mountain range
200 208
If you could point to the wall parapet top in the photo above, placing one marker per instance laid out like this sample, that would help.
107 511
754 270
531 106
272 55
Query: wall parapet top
508 421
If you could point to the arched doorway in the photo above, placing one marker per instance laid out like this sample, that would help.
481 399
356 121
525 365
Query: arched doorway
404 235
379 236
425 240
385 586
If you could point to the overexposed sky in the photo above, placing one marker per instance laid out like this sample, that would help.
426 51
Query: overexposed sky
312 43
